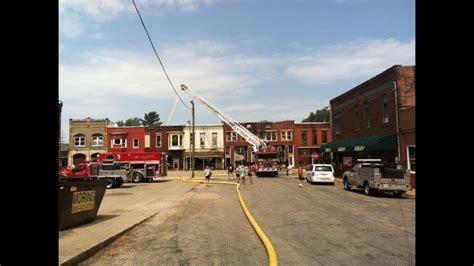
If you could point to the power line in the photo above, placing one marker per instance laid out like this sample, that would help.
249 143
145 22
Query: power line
162 66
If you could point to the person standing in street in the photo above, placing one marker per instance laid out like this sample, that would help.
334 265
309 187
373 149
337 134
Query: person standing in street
250 171
237 174
230 171
242 174
207 174
300 175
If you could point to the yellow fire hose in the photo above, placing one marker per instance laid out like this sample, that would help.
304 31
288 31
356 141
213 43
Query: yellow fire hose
272 257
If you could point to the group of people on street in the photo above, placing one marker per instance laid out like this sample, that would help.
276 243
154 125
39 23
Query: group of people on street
241 172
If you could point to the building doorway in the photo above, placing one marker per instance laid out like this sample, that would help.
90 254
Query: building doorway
78 158
175 164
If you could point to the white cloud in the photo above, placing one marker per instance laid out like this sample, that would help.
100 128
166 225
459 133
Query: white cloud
106 9
291 107
72 13
120 84
351 60
70 25
213 69
106 73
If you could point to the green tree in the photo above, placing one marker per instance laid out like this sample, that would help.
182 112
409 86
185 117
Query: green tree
321 115
120 123
134 121
152 119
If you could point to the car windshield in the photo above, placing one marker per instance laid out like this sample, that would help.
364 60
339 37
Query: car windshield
323 168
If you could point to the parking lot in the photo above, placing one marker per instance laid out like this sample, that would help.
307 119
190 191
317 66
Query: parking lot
196 224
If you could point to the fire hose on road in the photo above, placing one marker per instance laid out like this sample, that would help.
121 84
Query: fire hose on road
272 257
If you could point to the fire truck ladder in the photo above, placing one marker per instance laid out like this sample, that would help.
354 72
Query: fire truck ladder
256 142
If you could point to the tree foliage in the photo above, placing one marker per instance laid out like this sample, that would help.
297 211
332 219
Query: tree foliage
152 119
134 121
321 115
120 123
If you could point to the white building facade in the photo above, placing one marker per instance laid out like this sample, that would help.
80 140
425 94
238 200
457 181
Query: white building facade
209 148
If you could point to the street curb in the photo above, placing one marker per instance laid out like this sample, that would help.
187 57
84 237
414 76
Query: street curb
84 255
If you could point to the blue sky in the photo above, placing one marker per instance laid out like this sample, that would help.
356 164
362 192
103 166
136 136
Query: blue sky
256 60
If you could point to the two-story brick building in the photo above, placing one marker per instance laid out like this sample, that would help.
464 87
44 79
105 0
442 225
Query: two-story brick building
169 140
278 134
126 139
376 119
87 137
308 138
165 139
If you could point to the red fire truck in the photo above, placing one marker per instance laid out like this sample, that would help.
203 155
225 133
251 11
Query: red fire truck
141 166
266 161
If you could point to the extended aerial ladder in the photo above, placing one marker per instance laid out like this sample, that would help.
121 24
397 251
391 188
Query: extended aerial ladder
257 143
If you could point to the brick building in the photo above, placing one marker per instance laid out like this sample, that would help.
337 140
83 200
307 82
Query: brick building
278 134
126 139
87 137
308 138
376 119
160 139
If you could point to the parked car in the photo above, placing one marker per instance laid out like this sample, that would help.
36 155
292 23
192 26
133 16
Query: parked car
373 176
323 173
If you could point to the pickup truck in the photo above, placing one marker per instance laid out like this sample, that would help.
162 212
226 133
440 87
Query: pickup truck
114 174
373 176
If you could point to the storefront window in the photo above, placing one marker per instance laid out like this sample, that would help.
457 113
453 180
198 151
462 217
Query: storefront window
337 124
202 139
304 137
214 139
366 115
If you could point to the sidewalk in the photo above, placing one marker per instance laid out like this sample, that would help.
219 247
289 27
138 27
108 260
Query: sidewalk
121 210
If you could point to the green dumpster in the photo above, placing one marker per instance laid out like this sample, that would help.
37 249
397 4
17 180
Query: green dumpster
79 201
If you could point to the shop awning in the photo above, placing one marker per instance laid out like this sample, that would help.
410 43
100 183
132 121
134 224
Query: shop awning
371 143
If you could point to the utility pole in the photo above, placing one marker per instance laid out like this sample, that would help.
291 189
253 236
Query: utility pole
397 124
60 106
193 141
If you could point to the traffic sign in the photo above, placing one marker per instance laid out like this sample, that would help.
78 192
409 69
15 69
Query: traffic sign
314 155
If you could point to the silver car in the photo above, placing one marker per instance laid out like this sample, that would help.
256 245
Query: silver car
321 173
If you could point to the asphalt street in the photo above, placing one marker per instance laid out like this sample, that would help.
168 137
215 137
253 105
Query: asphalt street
313 225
